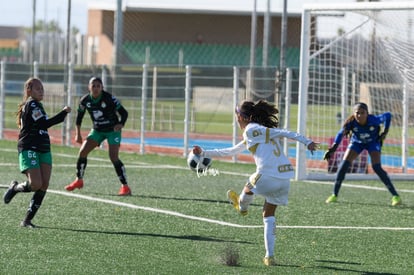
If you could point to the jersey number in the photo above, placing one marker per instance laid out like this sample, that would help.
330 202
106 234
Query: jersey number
276 150
31 154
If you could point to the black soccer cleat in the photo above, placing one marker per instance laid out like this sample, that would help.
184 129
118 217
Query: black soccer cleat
10 193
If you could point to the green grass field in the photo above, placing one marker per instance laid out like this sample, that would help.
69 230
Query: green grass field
177 223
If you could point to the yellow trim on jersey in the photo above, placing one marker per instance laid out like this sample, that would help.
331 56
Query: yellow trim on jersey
253 148
267 135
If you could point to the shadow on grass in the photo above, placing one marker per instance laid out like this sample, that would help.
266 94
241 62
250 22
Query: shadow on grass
383 204
338 262
171 198
184 237
376 204
353 270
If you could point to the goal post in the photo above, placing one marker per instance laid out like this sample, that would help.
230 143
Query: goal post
355 52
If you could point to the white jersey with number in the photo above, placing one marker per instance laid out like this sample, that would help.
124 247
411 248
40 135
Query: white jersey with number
265 145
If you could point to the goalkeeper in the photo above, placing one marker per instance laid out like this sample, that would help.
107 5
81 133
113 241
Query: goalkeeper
364 130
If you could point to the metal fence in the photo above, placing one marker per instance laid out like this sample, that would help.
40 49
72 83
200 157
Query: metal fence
163 102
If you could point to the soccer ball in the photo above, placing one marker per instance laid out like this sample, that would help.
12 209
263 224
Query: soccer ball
198 163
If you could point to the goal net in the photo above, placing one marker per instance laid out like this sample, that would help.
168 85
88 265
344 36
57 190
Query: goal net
350 53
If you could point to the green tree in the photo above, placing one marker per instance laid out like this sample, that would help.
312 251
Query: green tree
51 26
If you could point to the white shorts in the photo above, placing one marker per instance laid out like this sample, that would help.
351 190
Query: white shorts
274 190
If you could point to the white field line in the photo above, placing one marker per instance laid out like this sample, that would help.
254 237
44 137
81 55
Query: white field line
177 214
151 209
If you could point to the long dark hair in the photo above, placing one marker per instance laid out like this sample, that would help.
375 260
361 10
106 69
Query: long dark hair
26 94
261 112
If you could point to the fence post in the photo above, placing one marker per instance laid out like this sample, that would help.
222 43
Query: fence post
143 106
154 98
104 76
404 128
344 93
287 108
68 120
235 103
187 108
2 97
35 69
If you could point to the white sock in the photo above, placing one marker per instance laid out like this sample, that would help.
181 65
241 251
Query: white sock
269 235
245 201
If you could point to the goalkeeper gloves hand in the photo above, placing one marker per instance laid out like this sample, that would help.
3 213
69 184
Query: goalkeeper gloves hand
382 136
331 150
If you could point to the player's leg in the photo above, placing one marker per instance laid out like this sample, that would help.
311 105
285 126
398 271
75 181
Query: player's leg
84 151
38 195
269 232
118 165
29 163
246 198
241 202
88 145
249 190
276 192
383 175
114 143
350 155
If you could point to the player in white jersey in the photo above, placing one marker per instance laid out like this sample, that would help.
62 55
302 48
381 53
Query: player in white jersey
271 180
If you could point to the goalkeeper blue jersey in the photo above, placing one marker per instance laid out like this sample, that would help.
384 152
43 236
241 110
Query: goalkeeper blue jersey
367 133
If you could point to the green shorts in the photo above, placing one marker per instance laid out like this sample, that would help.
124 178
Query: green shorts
29 159
113 137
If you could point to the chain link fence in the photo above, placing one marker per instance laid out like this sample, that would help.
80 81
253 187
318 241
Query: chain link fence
162 101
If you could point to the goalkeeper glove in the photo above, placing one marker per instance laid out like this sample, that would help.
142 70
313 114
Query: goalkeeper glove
382 137
331 150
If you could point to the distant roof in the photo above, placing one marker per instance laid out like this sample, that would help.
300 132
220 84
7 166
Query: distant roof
10 32
235 7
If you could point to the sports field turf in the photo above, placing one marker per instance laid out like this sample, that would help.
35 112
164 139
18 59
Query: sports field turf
177 223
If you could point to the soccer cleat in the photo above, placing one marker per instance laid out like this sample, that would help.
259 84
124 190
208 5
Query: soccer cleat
10 193
234 200
269 261
124 191
78 183
27 224
396 200
331 198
